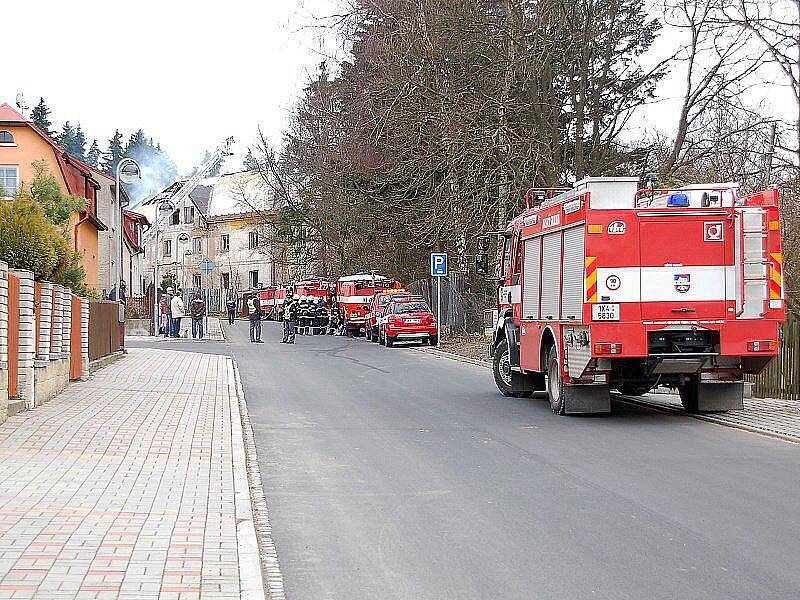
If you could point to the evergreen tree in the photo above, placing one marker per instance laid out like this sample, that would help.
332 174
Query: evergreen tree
41 117
93 156
115 153
137 144
250 162
66 139
79 149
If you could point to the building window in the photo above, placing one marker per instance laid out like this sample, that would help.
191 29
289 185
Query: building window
253 279
6 138
176 217
224 242
226 281
197 245
9 181
197 282
167 248
188 215
252 240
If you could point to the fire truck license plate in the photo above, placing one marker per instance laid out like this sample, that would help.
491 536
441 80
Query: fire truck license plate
605 312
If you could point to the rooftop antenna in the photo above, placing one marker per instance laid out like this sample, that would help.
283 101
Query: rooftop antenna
23 108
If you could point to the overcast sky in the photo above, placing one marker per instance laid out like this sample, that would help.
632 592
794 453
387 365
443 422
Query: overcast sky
188 72
192 72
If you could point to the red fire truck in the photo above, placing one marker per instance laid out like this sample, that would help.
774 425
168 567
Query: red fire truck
605 286
272 299
354 297
317 287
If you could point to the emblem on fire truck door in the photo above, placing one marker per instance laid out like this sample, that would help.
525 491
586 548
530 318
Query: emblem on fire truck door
714 232
683 282
617 227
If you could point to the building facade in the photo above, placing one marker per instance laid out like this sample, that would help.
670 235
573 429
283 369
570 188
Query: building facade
22 145
224 220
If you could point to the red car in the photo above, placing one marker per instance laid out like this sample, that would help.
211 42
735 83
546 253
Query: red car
379 302
407 319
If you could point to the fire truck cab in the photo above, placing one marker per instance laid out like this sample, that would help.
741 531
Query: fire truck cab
354 295
606 286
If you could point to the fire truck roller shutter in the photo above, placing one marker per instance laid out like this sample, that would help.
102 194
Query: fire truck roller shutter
530 290
572 274
551 276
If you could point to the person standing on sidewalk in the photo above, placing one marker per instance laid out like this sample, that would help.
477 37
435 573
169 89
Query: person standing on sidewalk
289 319
168 312
231 303
178 312
197 309
254 308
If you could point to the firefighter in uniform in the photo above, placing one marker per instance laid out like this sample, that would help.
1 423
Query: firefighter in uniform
289 318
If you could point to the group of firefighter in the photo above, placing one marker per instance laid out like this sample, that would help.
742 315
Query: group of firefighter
301 315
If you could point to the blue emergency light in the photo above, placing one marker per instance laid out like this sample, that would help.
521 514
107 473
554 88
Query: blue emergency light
678 200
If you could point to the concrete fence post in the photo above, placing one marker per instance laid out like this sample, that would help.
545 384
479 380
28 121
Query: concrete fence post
58 313
27 336
84 338
66 322
45 320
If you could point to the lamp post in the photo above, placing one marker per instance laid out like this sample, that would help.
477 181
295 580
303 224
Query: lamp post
163 207
127 171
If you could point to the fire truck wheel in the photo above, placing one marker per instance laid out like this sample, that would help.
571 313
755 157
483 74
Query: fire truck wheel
689 393
389 341
501 368
555 383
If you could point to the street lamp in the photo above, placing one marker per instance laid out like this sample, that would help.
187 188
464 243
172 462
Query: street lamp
164 207
128 171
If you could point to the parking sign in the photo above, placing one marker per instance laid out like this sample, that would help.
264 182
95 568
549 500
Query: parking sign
438 264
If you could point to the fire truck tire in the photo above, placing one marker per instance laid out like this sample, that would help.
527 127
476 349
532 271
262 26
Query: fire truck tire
555 383
690 393
501 368
389 341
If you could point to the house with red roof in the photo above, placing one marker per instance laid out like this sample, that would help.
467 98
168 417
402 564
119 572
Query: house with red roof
22 144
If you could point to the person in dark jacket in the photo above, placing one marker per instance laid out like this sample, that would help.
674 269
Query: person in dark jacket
197 310
231 303
289 319
254 308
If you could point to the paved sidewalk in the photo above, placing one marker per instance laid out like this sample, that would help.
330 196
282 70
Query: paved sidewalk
212 334
130 485
778 418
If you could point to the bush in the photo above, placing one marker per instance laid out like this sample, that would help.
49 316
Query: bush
27 238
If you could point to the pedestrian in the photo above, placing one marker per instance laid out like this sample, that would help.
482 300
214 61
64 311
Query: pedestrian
123 295
254 308
230 303
178 312
168 311
289 319
198 311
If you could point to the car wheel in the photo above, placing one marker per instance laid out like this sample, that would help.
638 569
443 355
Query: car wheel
433 340
389 341
555 383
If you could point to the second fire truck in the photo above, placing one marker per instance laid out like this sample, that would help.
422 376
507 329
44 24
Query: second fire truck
605 286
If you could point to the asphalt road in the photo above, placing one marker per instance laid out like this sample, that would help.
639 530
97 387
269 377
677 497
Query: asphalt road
390 473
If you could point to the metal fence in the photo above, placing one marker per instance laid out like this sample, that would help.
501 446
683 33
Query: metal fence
139 307
781 379
462 310
214 298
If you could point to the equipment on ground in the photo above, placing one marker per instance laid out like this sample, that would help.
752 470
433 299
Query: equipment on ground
604 286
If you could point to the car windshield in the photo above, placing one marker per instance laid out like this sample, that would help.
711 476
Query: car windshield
409 307
384 300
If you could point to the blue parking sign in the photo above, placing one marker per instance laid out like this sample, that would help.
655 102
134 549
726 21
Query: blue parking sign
438 264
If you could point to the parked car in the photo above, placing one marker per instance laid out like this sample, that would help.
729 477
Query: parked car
379 302
407 319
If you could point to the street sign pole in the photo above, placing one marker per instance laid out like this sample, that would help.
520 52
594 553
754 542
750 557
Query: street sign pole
206 266
438 270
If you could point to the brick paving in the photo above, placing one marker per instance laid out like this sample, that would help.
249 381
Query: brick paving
124 486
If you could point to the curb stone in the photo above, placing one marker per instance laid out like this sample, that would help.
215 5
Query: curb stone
269 563
635 400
